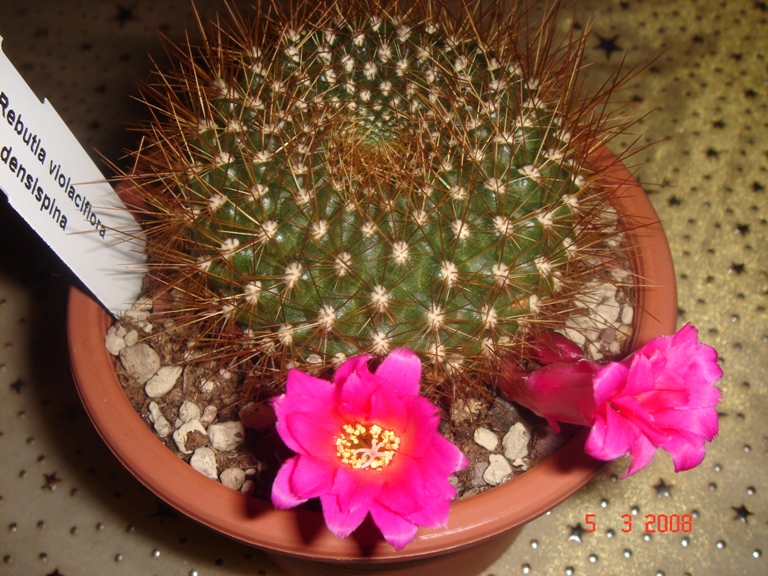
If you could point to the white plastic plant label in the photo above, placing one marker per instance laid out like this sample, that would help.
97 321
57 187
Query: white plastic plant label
52 182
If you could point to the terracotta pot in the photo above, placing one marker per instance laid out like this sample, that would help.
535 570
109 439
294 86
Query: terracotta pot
479 529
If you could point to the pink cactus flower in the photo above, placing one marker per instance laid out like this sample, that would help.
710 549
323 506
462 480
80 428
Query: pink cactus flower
366 443
662 396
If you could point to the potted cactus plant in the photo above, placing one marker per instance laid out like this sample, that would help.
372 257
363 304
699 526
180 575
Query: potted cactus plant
337 183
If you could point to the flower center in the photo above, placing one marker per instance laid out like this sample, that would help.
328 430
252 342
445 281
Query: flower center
366 446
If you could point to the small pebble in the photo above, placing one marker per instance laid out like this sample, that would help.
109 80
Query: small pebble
226 436
207 386
478 470
189 411
180 436
497 470
209 415
163 381
160 422
204 461
143 304
516 442
114 343
627 315
486 438
131 338
137 316
607 312
117 330
140 361
233 478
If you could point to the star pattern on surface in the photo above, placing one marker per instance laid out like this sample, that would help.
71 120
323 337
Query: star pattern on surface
663 490
736 268
163 511
125 15
608 45
577 533
741 229
742 513
51 481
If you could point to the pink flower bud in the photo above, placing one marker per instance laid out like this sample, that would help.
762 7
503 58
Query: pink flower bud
550 347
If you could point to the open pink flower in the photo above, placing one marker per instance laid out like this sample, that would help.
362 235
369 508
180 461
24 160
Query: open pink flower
662 396
366 443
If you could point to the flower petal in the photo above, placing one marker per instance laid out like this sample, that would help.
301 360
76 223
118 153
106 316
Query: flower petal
347 505
309 433
703 422
422 423
357 488
340 521
405 493
551 347
687 450
356 394
609 382
396 530
561 392
387 408
312 393
311 477
354 364
402 370
611 436
433 516
283 496
642 452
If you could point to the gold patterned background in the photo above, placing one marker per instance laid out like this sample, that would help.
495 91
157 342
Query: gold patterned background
68 508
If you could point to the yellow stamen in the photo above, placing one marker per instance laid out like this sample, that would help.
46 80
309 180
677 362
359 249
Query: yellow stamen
362 446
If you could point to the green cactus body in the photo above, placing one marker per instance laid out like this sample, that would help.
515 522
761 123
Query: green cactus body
378 182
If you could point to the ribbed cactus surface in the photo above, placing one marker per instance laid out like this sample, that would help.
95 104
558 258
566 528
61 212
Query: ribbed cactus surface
367 182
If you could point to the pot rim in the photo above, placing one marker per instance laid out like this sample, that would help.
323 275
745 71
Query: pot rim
300 532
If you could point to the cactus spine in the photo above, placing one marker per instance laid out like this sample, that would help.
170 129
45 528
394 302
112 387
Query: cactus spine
354 178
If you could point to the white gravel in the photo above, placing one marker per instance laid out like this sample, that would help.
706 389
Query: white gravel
497 471
160 422
163 381
204 461
233 478
486 438
180 435
140 361
516 444
226 436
